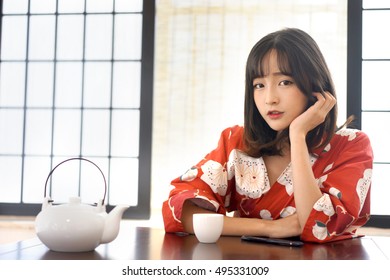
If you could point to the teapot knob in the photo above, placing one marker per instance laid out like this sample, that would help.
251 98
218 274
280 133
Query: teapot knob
74 200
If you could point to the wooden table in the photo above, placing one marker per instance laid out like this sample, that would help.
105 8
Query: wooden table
141 243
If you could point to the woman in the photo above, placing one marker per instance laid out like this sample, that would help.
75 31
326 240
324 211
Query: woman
289 171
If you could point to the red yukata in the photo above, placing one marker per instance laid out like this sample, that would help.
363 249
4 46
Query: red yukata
229 180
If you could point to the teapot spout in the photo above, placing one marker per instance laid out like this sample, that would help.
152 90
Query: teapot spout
112 223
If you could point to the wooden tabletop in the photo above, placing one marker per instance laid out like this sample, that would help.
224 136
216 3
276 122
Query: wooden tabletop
142 243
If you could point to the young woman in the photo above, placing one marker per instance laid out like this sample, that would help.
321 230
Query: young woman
289 171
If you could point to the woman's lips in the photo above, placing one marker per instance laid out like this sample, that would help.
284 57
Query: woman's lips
274 114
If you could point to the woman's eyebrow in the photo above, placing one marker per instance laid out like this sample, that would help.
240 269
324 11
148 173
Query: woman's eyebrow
281 74
273 74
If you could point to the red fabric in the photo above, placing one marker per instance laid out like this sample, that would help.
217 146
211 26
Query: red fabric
228 180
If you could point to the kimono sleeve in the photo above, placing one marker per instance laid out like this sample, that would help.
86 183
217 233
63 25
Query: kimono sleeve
205 184
345 182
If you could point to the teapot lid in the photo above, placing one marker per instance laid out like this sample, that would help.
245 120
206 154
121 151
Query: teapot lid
76 204
77 200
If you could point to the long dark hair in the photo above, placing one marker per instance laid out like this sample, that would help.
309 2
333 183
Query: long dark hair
299 55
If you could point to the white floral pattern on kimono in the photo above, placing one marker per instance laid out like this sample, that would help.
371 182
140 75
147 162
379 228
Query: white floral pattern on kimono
215 175
286 180
350 133
289 210
363 185
325 205
190 174
249 173
320 231
265 214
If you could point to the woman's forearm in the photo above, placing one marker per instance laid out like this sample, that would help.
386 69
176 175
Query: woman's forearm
306 191
238 226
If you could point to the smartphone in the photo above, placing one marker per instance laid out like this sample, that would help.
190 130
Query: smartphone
276 241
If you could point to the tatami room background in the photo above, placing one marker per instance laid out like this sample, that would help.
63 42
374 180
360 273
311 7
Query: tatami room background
200 48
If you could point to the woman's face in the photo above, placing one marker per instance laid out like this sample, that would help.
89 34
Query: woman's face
276 95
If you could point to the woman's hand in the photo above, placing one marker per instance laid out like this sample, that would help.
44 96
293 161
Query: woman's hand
314 115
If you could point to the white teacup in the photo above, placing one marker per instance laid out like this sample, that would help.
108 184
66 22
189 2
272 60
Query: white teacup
207 226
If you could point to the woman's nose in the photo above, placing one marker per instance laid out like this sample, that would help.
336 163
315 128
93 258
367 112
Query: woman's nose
271 97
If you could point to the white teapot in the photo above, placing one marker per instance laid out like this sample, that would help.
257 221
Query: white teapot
77 227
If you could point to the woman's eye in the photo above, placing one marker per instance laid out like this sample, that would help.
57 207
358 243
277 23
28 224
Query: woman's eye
285 83
258 86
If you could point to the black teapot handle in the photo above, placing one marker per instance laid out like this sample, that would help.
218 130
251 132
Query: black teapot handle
78 158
